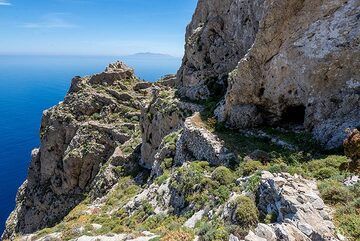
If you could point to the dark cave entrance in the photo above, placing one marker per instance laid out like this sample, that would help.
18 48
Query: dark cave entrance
294 114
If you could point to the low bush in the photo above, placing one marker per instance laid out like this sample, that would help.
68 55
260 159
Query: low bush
347 219
246 212
214 230
181 234
250 167
223 175
334 192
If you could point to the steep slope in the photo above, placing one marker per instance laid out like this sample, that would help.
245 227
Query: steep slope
219 35
97 120
298 63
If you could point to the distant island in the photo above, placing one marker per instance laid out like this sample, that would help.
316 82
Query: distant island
151 55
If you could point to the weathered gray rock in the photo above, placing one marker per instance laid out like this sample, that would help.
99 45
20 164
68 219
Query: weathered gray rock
164 115
142 86
191 222
168 80
159 196
160 118
78 137
297 63
303 68
301 213
114 72
219 35
197 143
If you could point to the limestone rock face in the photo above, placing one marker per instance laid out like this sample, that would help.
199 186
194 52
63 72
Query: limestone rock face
301 213
164 115
197 143
78 137
286 62
219 35
160 118
303 68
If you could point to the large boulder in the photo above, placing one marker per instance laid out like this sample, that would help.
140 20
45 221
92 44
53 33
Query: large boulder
164 115
352 150
352 145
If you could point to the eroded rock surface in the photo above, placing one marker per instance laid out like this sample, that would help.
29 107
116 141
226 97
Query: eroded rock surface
164 115
298 63
300 212
78 137
219 35
197 143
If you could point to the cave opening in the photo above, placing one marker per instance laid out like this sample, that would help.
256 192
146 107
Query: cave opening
294 114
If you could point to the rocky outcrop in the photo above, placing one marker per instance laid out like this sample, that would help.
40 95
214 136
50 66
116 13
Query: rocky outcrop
164 115
160 118
197 143
303 68
298 63
78 137
300 213
219 35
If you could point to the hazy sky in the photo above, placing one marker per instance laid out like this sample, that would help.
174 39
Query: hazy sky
94 27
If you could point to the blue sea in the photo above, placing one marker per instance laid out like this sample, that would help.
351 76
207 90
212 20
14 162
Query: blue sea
31 84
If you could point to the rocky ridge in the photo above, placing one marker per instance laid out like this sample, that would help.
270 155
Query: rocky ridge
96 127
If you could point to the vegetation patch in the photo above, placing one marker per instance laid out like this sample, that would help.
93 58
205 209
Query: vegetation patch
246 212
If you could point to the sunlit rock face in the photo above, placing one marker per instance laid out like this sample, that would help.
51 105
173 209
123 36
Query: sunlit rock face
97 119
292 62
219 35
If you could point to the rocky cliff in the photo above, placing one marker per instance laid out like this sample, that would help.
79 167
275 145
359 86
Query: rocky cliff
223 151
97 124
282 61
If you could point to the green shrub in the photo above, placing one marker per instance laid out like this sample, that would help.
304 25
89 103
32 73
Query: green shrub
96 116
347 219
162 179
171 139
253 183
334 192
214 230
333 164
277 168
250 167
223 175
326 172
167 163
246 212
199 190
270 218
222 193
162 223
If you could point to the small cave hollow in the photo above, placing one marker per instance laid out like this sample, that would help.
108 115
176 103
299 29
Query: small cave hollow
293 114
